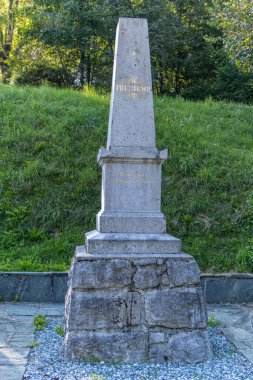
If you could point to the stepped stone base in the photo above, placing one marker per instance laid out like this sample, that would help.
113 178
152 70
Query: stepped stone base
131 222
124 243
135 308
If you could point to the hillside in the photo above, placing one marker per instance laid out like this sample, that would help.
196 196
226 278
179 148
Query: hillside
50 181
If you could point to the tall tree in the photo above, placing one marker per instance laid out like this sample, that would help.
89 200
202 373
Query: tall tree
8 10
75 25
236 19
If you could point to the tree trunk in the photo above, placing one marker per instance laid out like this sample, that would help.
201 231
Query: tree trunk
177 86
88 69
7 42
10 27
82 67
161 81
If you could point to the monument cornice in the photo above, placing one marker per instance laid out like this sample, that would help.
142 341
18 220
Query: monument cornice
131 155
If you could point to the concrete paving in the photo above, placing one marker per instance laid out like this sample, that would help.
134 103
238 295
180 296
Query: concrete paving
17 331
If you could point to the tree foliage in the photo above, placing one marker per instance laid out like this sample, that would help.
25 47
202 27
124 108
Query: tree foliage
236 19
71 42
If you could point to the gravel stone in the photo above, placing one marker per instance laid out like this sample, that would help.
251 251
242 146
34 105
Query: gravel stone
46 362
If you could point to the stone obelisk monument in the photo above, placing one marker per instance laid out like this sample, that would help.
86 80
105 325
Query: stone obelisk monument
133 295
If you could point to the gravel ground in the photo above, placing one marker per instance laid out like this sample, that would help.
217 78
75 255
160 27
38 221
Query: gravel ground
45 362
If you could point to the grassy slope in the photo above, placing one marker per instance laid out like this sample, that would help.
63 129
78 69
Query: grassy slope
50 182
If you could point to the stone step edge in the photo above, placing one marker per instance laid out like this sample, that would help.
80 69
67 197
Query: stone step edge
52 286
81 255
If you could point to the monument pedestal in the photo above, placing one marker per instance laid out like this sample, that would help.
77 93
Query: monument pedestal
131 196
135 308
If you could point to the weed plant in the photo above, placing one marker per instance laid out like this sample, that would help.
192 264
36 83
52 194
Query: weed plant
16 298
40 322
212 321
34 344
59 330
50 183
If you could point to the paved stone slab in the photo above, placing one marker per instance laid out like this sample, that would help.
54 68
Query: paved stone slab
16 352
237 325
21 340
17 334
18 355
248 354
14 372
52 309
20 309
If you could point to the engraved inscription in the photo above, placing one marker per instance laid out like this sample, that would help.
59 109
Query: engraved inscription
127 174
133 178
133 51
133 181
132 87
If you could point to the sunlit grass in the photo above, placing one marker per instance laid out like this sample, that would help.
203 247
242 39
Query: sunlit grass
50 181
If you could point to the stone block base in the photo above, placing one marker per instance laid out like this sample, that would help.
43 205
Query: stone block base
135 309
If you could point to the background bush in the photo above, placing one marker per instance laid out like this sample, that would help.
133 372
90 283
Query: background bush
40 74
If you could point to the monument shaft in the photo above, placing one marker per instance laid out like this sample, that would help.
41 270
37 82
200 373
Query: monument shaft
133 295
131 120
131 164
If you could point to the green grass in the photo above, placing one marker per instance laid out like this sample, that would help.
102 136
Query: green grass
50 181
